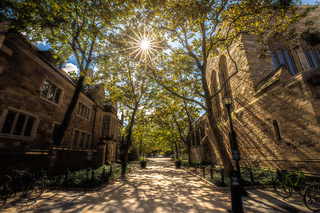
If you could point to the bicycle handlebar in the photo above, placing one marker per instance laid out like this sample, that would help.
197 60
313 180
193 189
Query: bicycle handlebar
21 172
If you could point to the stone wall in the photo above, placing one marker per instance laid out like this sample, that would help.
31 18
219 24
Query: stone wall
23 72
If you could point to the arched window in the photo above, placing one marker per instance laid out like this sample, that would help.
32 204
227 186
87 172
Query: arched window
276 130
223 76
214 89
281 54
312 54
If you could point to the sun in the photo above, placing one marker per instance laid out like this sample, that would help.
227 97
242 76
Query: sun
143 45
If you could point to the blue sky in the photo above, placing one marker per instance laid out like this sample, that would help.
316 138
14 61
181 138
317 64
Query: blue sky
71 64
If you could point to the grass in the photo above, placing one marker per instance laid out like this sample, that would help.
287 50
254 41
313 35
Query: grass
78 179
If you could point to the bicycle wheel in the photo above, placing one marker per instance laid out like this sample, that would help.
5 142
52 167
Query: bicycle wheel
35 189
312 197
281 189
5 190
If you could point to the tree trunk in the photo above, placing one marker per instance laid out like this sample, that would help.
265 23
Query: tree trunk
129 136
175 144
189 151
227 164
220 146
67 117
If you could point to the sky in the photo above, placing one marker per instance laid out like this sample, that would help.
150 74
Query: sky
71 64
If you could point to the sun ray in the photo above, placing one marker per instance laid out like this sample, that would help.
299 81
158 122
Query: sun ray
143 45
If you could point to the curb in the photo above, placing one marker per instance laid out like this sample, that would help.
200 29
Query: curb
225 188
89 189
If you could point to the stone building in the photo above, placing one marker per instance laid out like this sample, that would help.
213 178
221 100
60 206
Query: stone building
34 97
276 105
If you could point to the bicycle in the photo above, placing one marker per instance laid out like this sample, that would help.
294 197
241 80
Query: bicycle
33 189
311 197
293 181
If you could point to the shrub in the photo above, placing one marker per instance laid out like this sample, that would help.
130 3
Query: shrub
78 179
143 159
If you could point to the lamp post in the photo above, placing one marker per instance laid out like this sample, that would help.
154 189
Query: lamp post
235 177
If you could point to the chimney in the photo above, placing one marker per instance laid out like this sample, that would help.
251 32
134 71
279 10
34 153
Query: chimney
90 73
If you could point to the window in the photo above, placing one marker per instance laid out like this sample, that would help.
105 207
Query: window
276 130
214 89
15 123
51 92
281 54
312 54
223 76
83 111
80 139
105 126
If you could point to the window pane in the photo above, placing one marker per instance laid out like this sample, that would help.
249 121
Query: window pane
81 110
75 138
55 131
85 112
45 89
104 117
19 125
280 56
274 59
108 118
81 139
8 122
57 97
291 67
314 60
28 130
305 54
88 112
51 93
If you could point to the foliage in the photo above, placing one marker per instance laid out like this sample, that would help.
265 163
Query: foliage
78 179
136 161
261 177
143 159
178 160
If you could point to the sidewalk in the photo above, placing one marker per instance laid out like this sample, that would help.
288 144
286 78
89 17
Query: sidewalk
159 188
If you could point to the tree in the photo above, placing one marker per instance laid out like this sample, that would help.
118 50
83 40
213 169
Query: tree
78 28
202 27
126 85
178 114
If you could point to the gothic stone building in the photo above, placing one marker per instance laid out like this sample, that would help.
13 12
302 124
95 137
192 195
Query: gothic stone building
276 105
34 97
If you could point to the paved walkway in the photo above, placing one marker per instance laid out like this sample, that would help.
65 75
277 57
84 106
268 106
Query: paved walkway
159 188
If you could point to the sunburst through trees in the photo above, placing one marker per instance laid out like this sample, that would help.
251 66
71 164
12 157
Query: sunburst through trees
143 45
